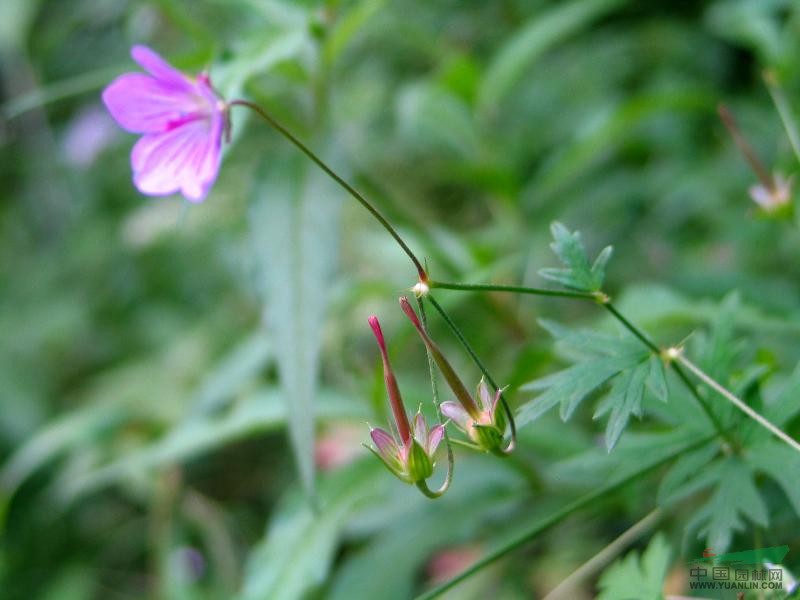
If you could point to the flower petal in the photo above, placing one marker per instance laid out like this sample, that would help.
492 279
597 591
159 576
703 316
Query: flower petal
185 159
434 437
157 66
385 444
456 412
142 104
420 429
484 395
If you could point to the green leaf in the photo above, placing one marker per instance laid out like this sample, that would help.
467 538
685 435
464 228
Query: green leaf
657 379
600 357
294 227
400 549
671 488
593 467
578 274
782 464
538 35
240 366
635 578
264 410
735 496
299 545
785 405
623 400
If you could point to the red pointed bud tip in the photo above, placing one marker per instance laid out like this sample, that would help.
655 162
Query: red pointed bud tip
456 385
376 329
395 399
410 313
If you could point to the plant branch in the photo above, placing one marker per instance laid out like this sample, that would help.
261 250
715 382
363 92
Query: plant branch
333 175
479 363
632 328
554 519
435 394
479 287
597 297
675 367
733 399
566 588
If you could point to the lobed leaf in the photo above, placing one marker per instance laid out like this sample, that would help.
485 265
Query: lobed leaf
599 358
635 577
579 274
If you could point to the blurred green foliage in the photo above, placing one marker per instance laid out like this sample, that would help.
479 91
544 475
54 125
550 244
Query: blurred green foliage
160 365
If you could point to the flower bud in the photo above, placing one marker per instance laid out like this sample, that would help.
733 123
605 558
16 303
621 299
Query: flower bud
488 429
410 458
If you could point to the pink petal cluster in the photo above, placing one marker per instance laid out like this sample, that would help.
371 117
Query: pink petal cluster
397 455
182 120
410 457
487 414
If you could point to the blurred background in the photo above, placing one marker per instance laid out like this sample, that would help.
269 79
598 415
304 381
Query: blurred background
160 363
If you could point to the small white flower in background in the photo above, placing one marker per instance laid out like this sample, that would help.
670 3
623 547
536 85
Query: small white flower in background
772 199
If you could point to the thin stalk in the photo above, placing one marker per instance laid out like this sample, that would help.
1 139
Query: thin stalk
554 519
784 111
480 287
733 399
632 328
597 297
640 335
566 588
479 363
435 395
269 119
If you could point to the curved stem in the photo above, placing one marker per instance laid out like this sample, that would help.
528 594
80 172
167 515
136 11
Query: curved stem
591 567
460 336
480 287
733 399
554 519
448 479
422 486
333 175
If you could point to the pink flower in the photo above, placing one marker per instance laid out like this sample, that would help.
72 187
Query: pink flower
182 120
486 428
482 422
411 457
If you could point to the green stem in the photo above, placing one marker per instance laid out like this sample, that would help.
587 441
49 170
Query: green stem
597 297
632 328
676 368
448 479
479 287
733 399
554 519
460 336
333 175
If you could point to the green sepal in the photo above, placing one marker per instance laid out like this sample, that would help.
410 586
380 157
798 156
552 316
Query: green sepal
394 467
420 466
488 437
